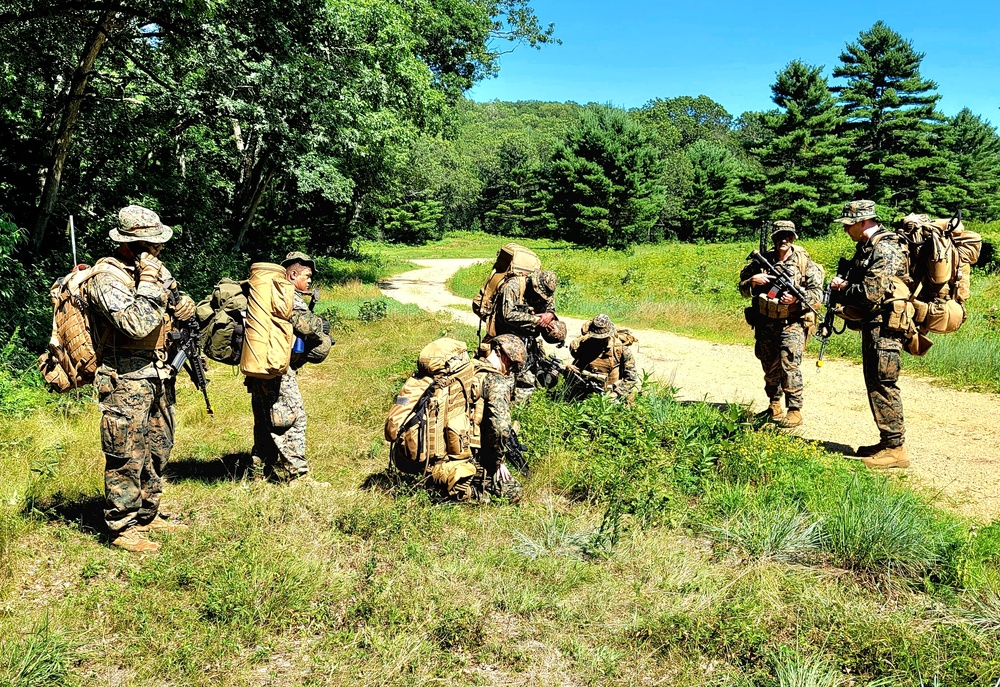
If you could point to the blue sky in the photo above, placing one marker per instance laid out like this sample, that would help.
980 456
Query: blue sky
628 52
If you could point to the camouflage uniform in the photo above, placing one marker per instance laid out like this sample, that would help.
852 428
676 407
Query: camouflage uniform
779 341
520 301
601 351
279 428
135 383
873 266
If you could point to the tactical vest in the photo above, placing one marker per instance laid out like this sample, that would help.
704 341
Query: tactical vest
110 339
895 309
771 307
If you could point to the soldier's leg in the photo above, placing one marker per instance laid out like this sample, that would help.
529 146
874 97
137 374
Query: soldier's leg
125 406
456 479
161 441
288 427
793 341
768 351
880 359
264 455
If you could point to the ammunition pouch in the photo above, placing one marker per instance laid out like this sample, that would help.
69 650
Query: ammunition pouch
940 317
773 309
750 315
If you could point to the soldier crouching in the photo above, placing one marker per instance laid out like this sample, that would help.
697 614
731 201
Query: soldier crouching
602 361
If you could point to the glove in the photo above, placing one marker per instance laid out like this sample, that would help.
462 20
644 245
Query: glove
149 269
545 319
184 310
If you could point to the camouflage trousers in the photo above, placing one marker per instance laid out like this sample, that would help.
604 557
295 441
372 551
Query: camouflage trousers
279 426
465 481
137 434
881 361
779 346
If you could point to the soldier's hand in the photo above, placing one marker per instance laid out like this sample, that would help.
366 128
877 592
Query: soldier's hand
838 284
761 279
149 268
184 310
788 298
572 368
545 319
502 475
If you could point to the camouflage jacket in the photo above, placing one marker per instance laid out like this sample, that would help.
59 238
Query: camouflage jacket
806 274
495 430
516 310
873 267
615 363
308 326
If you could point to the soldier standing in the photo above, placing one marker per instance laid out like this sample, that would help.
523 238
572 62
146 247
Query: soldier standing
780 322
878 265
130 297
526 309
602 358
279 427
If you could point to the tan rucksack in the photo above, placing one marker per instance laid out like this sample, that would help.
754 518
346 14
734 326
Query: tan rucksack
942 252
268 334
512 260
436 410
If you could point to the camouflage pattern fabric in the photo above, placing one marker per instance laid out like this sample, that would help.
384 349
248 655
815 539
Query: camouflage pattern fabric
800 267
874 264
495 433
279 426
615 362
309 327
779 345
515 313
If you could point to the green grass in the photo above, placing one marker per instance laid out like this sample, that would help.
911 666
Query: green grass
691 290
658 543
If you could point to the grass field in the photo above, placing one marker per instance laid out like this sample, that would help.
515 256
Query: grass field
691 289
660 543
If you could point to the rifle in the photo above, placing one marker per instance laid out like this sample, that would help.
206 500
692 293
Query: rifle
783 280
514 453
762 242
586 382
827 327
188 355
546 368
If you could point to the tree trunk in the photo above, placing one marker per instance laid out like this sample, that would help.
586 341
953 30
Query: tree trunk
60 148
263 174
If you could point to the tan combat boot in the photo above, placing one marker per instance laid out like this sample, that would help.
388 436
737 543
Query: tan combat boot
792 419
775 411
889 457
865 451
159 524
135 541
307 481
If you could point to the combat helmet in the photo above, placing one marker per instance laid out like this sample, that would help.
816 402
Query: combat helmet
543 282
512 347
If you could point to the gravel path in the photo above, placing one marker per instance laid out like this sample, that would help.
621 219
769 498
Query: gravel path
953 445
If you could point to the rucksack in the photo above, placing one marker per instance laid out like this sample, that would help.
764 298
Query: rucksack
941 255
221 317
71 358
434 413
268 335
512 260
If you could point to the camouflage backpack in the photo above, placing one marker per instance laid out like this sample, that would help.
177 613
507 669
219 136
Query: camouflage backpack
221 317
435 412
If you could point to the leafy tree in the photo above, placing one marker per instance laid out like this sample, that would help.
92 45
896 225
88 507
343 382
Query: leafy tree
695 118
892 122
804 158
603 181
973 146
722 202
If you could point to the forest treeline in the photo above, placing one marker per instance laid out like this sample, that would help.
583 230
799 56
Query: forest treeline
256 126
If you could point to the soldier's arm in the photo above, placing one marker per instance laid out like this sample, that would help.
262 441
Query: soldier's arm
307 325
513 311
746 288
812 283
496 398
133 312
871 289
629 374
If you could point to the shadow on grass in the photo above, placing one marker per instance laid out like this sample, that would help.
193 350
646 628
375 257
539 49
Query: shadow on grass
228 468
86 513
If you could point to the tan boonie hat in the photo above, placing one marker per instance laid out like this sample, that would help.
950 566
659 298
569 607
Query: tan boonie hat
600 327
140 224
513 347
298 257
856 211
783 226
544 282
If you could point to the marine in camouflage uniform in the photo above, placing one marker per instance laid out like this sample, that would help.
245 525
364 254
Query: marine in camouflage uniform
780 322
879 261
279 428
526 309
602 352
132 299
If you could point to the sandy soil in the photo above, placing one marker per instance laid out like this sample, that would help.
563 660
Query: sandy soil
952 440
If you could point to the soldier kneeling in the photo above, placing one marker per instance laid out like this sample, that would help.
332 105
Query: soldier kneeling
602 361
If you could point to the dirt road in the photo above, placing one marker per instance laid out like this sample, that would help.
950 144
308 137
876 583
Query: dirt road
952 435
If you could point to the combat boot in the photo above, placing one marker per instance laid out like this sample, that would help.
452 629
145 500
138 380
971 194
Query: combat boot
160 524
867 451
774 411
793 419
135 541
307 481
889 457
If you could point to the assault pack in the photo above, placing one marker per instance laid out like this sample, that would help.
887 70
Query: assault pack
512 260
221 317
71 358
941 255
437 412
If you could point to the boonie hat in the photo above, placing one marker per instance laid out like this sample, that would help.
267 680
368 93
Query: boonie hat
600 327
140 224
298 257
544 282
513 347
856 211
783 226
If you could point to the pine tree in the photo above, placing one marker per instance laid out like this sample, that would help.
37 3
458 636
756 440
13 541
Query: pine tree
721 203
603 181
974 147
891 122
804 158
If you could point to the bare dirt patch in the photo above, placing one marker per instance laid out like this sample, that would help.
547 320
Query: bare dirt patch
952 440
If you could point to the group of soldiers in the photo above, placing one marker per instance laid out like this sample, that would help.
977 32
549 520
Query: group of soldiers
133 300
782 322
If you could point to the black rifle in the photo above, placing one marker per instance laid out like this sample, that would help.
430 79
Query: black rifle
762 243
585 382
514 453
188 356
827 327
546 368
784 281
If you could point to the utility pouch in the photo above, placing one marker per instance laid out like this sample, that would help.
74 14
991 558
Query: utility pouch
750 315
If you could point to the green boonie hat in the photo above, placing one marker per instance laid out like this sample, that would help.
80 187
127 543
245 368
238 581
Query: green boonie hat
783 226
600 327
856 211
298 257
544 282
513 347
140 224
